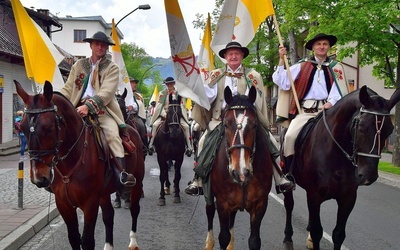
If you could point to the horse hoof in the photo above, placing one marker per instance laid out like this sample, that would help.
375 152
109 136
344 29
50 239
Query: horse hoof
117 204
127 205
161 202
177 199
167 191
287 245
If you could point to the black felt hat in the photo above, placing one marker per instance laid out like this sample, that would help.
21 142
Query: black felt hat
332 40
232 45
101 37
169 80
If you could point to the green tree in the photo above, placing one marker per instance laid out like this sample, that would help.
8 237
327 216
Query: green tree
137 63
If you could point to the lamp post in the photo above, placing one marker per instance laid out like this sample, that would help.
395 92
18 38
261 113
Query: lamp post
152 66
140 7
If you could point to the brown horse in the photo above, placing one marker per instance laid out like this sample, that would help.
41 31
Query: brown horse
65 156
337 153
241 174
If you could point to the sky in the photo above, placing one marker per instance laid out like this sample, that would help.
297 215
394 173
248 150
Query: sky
146 28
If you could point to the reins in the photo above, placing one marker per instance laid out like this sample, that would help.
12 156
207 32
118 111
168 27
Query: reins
356 121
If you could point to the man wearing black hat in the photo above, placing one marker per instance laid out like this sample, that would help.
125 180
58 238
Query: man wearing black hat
90 87
160 113
239 79
319 81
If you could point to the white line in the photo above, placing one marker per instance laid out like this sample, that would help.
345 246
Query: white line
325 235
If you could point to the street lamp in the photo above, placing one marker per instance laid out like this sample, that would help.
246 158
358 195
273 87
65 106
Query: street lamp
140 7
152 66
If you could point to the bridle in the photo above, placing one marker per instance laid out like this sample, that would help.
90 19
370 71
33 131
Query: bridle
175 117
35 155
354 129
239 134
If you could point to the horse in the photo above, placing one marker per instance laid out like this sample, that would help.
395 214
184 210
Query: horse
170 146
65 156
133 119
338 152
241 174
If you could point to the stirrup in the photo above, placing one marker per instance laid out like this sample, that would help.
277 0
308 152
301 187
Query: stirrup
129 183
287 187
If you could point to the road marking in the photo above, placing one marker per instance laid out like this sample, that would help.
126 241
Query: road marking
324 235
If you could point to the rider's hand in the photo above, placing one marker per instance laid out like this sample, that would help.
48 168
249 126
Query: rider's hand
82 110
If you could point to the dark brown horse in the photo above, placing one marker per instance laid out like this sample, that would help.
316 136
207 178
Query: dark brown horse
241 174
65 156
340 153
170 146
133 119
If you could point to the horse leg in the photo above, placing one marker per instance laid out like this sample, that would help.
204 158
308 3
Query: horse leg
177 179
289 205
256 217
117 200
70 218
108 220
224 236
90 212
314 220
345 206
136 194
231 245
163 177
210 211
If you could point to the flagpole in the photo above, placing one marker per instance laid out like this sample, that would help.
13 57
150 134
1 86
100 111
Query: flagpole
296 99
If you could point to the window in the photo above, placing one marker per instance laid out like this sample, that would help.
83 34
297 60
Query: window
79 35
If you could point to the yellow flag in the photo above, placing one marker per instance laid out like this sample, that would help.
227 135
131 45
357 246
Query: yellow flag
119 60
154 96
188 104
41 57
206 57
249 14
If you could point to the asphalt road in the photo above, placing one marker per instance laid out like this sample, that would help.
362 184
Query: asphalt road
373 224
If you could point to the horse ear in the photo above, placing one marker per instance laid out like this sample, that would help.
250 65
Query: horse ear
124 94
170 98
21 92
48 91
365 99
228 95
395 98
252 94
179 99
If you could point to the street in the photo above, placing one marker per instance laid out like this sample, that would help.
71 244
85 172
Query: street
373 224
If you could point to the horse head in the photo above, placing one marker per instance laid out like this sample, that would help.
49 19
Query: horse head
45 124
121 103
370 129
174 114
240 123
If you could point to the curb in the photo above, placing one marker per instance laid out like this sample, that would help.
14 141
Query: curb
22 234
389 179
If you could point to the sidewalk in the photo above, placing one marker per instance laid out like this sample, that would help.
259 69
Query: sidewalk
17 225
20 217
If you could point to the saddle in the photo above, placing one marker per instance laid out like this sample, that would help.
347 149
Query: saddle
307 128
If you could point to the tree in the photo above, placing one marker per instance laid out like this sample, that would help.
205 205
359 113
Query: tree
137 63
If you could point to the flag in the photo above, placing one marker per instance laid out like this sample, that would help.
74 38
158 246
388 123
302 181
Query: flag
155 95
206 57
117 58
41 57
239 22
188 104
188 81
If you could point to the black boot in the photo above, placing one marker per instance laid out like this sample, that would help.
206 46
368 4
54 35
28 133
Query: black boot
124 180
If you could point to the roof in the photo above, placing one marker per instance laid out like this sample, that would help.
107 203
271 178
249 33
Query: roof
9 44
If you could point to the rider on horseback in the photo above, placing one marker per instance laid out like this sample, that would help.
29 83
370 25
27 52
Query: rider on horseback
90 87
319 81
160 114
239 79
137 109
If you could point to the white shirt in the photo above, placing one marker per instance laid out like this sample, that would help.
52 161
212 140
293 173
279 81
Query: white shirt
317 90
89 92
231 82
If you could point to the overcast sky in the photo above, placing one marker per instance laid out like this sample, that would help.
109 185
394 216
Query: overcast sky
146 28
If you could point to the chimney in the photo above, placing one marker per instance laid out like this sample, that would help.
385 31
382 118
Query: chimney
43 11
